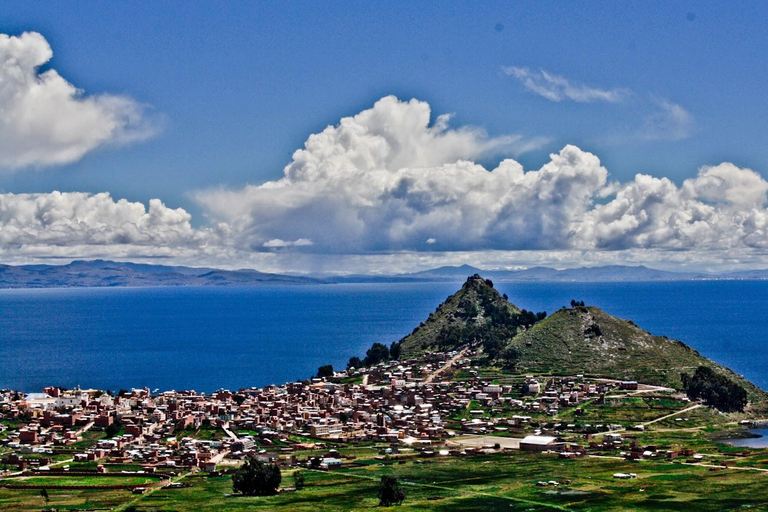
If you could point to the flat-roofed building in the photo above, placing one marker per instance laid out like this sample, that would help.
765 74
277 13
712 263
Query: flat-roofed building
541 444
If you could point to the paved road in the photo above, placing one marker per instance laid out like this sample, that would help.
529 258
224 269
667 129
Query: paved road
219 457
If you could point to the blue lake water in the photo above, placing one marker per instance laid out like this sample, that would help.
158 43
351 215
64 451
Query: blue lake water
208 338
751 442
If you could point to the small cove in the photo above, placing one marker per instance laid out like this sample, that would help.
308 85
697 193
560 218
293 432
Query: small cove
752 438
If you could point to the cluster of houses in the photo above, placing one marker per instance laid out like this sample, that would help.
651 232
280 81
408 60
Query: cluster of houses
143 428
401 403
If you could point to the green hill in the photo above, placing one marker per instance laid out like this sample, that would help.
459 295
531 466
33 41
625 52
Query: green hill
587 340
576 340
472 314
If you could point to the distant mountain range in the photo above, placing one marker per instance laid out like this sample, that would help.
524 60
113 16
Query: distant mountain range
607 273
583 274
100 273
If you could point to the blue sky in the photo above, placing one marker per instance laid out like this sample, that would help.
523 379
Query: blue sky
232 89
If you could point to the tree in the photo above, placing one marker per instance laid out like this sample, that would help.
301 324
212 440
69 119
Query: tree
354 362
716 389
325 371
394 350
390 492
376 354
298 480
509 356
112 429
254 478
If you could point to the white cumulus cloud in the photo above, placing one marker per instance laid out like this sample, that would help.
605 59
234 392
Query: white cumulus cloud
383 179
722 208
386 180
45 120
79 224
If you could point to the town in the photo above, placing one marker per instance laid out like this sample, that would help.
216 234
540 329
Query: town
411 404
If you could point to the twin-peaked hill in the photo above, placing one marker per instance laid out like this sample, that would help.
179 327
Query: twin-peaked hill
576 340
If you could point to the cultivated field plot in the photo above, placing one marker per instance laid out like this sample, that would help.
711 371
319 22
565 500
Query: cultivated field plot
73 497
15 500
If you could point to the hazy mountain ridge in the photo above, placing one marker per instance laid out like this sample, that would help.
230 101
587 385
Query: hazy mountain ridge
103 273
605 273
582 274
100 273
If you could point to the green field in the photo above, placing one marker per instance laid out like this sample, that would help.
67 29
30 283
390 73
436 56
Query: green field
28 500
496 482
500 482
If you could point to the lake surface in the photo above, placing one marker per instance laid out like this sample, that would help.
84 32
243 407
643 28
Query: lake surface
750 442
210 338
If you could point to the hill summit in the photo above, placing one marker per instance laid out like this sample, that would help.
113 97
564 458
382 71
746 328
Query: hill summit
475 314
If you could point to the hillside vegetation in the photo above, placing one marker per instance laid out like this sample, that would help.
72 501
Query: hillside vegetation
475 314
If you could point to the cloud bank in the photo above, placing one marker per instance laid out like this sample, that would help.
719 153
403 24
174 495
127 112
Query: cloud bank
46 120
389 187
79 224
385 180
